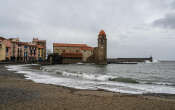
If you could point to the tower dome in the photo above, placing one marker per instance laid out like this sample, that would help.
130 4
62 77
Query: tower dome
102 33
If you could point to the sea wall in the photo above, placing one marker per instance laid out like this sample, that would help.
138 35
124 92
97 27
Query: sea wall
121 60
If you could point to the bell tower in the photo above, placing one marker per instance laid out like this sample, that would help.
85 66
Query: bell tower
102 48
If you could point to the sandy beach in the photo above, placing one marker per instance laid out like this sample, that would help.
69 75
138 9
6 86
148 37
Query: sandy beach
17 93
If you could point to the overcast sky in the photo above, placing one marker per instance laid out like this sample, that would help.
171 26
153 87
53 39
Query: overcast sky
134 28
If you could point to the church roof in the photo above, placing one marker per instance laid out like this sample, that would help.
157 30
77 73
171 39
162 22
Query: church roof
68 45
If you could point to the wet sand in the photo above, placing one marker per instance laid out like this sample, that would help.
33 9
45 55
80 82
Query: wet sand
16 93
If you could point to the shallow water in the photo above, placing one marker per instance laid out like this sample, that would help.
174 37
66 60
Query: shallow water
125 78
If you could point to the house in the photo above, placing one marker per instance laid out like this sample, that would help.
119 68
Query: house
13 49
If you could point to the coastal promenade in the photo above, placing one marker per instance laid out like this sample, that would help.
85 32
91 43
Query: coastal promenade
17 93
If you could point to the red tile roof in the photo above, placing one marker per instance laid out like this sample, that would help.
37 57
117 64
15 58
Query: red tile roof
2 38
68 45
73 55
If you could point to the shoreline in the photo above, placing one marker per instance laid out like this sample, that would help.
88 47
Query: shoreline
38 66
18 92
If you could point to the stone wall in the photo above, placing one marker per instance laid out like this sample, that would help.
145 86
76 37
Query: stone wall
71 60
86 55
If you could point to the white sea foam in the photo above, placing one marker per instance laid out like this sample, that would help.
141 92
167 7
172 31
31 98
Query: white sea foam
88 76
14 67
93 81
154 61
80 63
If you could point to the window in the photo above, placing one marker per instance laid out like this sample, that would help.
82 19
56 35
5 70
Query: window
34 52
42 52
18 52
0 44
25 47
38 52
31 51
77 51
7 51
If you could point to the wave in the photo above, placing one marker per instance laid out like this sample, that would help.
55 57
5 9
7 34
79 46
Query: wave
125 80
158 83
88 76
96 77
94 81
15 67
80 63
106 77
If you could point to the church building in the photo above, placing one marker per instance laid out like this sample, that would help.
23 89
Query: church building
75 53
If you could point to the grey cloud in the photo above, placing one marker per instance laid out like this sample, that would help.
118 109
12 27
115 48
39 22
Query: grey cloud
79 21
173 4
167 22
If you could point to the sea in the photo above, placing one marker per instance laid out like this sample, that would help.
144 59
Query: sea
141 78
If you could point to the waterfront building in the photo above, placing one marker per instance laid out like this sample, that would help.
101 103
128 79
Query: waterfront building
5 49
2 49
13 49
73 53
41 48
